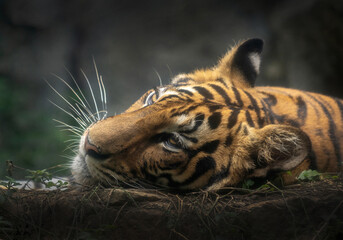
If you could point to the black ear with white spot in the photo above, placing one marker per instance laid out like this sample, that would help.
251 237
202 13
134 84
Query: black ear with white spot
241 64
247 59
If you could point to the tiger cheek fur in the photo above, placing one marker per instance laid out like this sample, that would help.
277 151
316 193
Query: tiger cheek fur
212 128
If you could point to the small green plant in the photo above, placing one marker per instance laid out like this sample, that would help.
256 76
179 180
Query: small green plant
10 183
39 176
267 187
331 176
309 175
248 183
44 177
59 184
36 176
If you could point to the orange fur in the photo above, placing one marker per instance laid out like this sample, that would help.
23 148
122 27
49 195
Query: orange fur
212 128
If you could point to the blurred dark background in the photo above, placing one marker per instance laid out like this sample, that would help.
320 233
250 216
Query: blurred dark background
131 40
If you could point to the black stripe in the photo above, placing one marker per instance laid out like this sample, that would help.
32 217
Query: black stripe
214 107
191 108
214 120
186 111
260 120
146 166
267 113
174 110
233 118
209 147
148 176
238 96
245 130
204 92
239 128
249 119
270 99
186 92
302 110
223 173
313 160
203 165
332 131
340 107
228 140
221 80
155 167
171 96
198 121
222 93
171 166
133 172
109 175
293 123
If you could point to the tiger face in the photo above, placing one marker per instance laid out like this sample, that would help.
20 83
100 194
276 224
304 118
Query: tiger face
207 129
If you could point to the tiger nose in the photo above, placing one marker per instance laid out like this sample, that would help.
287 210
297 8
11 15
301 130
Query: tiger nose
92 150
89 146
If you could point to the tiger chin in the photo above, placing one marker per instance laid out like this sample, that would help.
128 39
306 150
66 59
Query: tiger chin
212 128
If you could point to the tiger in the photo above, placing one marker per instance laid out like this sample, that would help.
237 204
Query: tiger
212 128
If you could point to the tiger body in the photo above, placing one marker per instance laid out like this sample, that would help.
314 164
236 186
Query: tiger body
213 128
319 116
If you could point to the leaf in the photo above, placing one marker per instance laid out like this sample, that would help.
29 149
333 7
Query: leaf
49 184
248 183
309 175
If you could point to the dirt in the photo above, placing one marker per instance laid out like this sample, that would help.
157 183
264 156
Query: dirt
303 211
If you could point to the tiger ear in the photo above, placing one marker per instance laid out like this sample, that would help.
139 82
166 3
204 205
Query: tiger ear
279 148
241 64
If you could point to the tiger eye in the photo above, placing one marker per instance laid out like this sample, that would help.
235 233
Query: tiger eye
173 141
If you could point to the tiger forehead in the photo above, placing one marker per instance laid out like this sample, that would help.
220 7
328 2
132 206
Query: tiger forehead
198 76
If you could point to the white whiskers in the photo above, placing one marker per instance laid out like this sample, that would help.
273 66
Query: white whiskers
159 77
79 109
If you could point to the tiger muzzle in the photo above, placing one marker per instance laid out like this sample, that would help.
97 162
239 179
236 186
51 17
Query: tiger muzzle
94 151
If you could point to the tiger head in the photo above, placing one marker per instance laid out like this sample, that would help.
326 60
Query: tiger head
203 131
